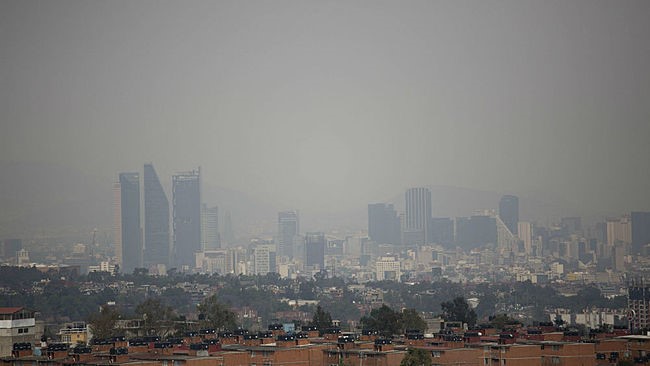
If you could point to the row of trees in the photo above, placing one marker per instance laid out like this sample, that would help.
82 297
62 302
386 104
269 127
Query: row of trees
161 319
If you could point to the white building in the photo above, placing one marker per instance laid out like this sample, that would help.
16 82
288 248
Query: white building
388 268
17 325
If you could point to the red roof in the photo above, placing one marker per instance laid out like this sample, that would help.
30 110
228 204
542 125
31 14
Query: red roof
5 311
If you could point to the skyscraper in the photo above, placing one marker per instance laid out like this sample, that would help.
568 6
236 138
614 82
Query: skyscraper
288 230
210 228
127 216
476 231
383 224
418 213
442 231
186 191
640 232
509 212
315 250
156 220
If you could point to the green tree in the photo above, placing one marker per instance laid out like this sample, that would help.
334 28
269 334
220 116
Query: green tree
321 319
410 319
103 324
459 310
156 315
213 314
416 357
384 320
501 321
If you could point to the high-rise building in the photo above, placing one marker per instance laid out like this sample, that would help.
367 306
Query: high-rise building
442 231
127 214
315 250
210 239
186 191
383 224
264 258
418 213
640 232
638 304
475 231
288 231
525 230
228 234
509 212
156 220
619 230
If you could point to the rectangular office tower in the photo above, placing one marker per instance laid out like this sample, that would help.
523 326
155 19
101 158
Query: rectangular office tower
640 232
156 221
315 250
128 234
383 224
418 216
186 191
210 239
509 212
288 230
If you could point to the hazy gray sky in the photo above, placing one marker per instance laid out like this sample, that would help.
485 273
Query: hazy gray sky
337 103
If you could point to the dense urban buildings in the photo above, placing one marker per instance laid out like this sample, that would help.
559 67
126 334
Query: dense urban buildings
509 212
156 221
383 224
128 233
417 216
186 191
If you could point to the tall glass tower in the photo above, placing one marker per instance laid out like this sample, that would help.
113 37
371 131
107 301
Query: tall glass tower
418 213
186 190
129 221
509 212
288 230
156 220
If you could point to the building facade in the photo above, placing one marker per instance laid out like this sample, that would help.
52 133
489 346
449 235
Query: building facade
418 213
383 224
509 212
210 238
288 231
186 191
17 325
156 220
128 242
315 250
640 232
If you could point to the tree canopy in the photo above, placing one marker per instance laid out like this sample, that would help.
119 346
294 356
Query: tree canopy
387 321
214 315
156 315
459 310
321 319
416 357
102 324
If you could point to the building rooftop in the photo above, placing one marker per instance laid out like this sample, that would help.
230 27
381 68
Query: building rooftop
13 310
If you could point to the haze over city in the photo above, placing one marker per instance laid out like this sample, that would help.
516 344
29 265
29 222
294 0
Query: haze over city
326 106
